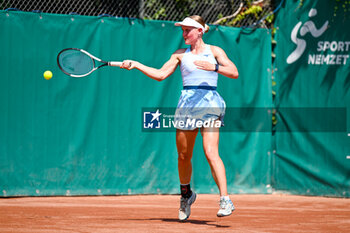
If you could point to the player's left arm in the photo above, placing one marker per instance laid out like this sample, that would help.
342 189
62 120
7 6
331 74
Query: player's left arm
226 66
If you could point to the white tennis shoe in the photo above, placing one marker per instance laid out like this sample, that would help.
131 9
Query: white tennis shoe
226 208
185 206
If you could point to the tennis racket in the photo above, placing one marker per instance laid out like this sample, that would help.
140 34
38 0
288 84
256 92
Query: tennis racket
79 63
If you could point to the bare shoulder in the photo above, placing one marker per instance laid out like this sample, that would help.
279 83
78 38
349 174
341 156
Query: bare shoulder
216 50
179 53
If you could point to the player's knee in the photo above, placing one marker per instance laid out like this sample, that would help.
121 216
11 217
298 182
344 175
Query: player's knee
212 154
184 157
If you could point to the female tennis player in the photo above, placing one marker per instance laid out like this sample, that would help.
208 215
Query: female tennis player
200 64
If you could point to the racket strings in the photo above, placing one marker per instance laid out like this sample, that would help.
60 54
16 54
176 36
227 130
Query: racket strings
76 62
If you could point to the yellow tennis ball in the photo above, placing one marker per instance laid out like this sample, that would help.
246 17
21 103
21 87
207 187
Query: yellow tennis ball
47 75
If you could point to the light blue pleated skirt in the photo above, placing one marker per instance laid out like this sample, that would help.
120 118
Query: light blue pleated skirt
199 108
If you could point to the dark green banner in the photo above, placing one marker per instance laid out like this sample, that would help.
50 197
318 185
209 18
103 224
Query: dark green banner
312 70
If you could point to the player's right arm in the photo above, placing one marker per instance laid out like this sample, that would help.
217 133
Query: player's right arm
157 74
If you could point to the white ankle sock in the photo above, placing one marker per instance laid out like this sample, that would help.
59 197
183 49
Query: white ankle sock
226 198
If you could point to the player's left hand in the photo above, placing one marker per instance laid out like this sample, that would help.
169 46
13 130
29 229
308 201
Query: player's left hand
204 65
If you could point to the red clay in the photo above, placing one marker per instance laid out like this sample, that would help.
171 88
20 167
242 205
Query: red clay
158 213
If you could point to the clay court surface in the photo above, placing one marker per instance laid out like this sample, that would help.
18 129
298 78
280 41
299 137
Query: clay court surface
158 213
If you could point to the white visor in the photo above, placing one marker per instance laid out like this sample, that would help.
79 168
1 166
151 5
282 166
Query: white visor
190 23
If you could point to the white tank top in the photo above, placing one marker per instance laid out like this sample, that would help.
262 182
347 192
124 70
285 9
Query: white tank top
191 75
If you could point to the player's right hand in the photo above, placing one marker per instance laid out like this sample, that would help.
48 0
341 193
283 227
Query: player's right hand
128 64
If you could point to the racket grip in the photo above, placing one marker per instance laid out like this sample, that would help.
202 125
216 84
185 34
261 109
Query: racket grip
115 63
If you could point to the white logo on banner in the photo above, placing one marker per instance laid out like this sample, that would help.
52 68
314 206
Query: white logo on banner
151 119
317 59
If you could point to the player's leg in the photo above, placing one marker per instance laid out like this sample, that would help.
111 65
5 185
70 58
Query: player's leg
211 150
185 140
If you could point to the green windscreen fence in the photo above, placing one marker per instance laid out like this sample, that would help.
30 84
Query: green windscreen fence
312 73
71 136
88 136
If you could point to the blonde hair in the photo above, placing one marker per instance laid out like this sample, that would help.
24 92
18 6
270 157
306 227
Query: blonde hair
200 20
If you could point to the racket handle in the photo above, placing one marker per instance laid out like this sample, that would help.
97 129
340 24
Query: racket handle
115 63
